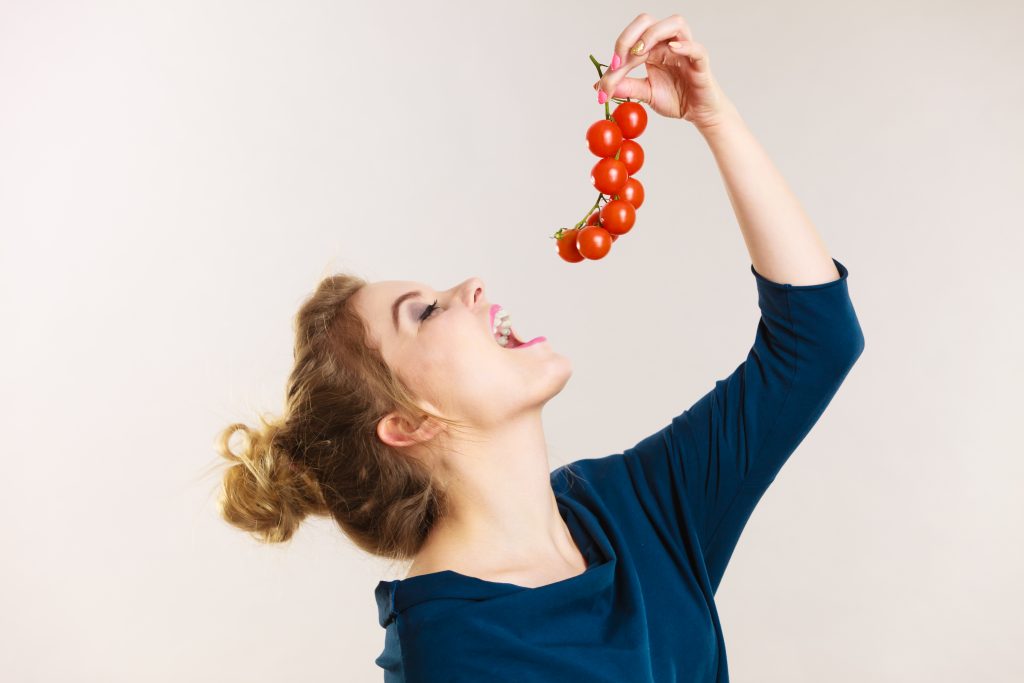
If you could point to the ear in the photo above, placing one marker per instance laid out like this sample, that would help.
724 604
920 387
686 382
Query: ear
397 431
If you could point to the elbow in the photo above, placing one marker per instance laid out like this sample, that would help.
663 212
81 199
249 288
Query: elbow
848 352
843 352
847 342
855 344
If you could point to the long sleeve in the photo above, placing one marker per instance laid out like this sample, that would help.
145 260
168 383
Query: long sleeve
657 524
718 457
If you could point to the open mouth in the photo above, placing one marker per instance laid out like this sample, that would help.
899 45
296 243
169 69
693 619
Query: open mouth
513 340
509 340
501 329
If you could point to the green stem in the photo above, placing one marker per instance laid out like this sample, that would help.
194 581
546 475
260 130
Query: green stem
607 115
597 65
590 210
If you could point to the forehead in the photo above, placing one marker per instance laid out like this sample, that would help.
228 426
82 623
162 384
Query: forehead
382 293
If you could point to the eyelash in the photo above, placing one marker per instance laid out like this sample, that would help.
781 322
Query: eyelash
428 311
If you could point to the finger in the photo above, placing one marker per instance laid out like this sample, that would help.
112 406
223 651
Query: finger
632 87
696 53
669 27
629 36
652 37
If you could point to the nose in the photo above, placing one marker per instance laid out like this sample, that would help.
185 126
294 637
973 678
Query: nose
473 291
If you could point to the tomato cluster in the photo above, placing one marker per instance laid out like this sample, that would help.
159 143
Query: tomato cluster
621 156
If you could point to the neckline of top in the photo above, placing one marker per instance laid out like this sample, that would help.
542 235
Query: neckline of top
397 595
580 535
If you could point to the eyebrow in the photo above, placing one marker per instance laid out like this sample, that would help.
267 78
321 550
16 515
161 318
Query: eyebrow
398 303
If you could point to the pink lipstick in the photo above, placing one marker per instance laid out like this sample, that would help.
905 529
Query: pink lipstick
535 340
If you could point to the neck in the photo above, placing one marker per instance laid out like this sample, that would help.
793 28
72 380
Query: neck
503 515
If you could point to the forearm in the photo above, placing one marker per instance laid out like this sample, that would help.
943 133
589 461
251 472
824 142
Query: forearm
784 245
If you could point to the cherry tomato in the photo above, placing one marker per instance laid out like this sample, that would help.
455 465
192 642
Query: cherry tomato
609 175
632 192
604 138
618 216
632 119
593 242
595 219
632 155
567 246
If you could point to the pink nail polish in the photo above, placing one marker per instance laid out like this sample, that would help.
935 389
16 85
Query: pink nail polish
601 97
616 62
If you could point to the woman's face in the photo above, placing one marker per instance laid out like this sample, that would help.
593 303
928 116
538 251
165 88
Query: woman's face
451 359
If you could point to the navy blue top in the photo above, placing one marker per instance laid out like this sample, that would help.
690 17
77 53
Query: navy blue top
656 523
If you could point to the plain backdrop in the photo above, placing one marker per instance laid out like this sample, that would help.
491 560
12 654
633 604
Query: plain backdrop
176 177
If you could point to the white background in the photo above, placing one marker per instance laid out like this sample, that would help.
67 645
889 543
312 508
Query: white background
175 178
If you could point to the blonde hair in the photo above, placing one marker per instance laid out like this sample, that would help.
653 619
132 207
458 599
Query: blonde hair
323 455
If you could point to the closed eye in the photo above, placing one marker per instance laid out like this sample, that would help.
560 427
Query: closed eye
428 311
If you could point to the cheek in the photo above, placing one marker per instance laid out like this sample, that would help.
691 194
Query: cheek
472 371
470 364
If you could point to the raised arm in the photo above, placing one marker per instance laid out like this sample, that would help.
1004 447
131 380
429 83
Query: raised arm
700 477
784 246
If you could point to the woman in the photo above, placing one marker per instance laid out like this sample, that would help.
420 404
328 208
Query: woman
421 436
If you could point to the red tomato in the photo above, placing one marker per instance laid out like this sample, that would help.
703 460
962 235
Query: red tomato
593 242
618 216
594 218
632 155
632 119
567 246
604 138
632 192
609 175
597 221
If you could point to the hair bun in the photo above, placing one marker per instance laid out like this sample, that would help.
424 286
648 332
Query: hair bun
264 491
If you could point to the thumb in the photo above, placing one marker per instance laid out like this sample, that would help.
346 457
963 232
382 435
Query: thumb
631 87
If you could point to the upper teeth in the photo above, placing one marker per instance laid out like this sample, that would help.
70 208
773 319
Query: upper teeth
502 327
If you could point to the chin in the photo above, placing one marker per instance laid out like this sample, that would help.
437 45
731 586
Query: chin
558 375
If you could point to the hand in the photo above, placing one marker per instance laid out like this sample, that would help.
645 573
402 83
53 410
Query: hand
679 83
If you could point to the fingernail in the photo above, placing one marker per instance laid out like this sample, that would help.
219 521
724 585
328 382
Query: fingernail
601 97
615 62
638 48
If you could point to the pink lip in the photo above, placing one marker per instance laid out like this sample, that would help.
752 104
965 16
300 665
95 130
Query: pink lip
535 340
494 311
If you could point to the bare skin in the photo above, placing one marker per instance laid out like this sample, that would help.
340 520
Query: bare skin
504 524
